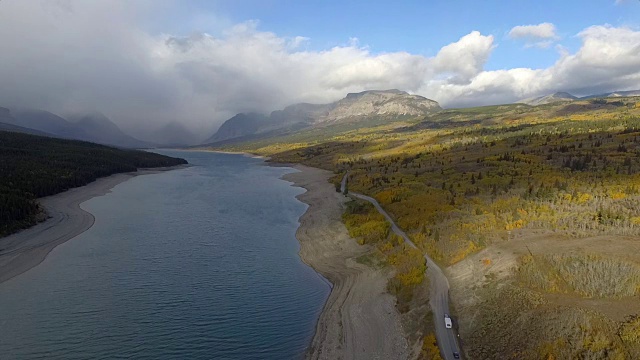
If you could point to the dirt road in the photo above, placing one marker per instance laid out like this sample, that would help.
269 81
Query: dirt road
439 292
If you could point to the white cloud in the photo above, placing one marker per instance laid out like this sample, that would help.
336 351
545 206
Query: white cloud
540 36
609 59
540 44
97 55
540 31
464 58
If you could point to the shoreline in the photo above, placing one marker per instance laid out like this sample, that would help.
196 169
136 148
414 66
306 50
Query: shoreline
359 320
243 153
26 249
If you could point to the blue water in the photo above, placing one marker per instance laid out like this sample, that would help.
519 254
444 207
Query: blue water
196 263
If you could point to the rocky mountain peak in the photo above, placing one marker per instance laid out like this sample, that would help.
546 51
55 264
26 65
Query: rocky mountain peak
391 104
380 102
376 92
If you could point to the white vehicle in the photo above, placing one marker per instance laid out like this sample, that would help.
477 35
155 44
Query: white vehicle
447 321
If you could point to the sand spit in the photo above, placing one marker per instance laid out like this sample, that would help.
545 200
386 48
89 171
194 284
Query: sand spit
359 320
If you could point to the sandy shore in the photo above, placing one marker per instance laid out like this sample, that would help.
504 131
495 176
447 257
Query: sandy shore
359 320
22 251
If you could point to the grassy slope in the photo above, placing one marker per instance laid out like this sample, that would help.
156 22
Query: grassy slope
462 180
35 166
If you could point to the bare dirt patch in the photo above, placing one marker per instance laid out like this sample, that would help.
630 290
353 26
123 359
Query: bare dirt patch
501 317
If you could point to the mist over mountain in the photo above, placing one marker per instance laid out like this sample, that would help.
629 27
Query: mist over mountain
353 108
302 113
151 71
100 129
171 134
240 125
93 127
8 123
50 123
5 115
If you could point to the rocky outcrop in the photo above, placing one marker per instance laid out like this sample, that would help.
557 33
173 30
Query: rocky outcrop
380 103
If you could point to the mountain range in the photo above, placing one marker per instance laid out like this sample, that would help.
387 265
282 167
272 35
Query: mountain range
356 109
566 97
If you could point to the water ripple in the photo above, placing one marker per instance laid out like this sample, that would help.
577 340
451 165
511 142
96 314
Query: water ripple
199 263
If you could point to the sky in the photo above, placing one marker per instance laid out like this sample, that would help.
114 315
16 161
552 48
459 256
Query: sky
146 63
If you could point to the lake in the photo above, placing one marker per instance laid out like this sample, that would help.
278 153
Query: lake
195 263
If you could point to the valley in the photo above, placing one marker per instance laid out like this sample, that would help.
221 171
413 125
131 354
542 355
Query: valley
322 180
522 205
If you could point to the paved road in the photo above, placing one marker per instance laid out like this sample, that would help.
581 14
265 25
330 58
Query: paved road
439 292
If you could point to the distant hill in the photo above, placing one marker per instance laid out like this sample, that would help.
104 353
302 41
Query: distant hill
353 108
615 94
549 99
23 130
566 97
49 123
8 123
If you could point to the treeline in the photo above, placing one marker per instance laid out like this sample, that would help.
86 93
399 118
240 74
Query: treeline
34 166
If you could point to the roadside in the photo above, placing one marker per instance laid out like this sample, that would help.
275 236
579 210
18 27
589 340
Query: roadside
359 320
439 290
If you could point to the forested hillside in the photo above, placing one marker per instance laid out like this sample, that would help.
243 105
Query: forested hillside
34 166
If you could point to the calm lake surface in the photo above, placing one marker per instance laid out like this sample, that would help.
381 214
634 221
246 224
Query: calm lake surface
196 263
